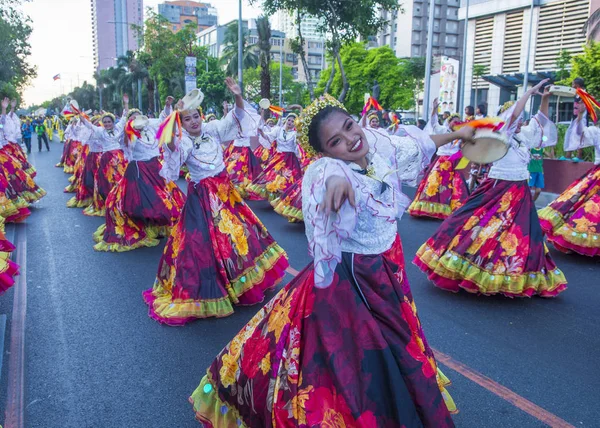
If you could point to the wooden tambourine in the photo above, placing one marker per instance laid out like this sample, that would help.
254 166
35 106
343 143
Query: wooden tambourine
192 100
489 146
563 91
264 104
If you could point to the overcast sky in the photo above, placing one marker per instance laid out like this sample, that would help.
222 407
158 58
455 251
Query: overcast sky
62 42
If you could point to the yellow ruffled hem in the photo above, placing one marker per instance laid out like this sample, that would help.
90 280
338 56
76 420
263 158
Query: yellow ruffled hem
72 179
32 197
585 239
71 188
293 214
74 203
261 191
68 169
443 382
454 267
208 407
92 212
433 209
165 308
119 248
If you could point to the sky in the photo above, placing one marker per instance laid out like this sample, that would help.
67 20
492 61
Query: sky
61 42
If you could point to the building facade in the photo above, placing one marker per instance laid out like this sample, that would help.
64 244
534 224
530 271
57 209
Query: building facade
497 44
406 33
113 31
182 13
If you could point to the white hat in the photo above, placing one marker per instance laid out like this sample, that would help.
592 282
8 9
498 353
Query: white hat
193 100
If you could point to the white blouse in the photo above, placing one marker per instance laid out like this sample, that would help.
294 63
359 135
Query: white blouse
109 140
146 147
7 130
579 136
540 132
203 155
371 226
286 140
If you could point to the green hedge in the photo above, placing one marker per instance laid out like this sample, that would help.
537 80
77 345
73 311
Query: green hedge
588 152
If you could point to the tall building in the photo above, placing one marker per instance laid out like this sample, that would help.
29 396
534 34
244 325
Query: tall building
497 39
113 31
406 33
286 22
181 13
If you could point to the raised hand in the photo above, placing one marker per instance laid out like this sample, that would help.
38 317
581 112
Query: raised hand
179 105
125 99
13 104
5 103
339 190
536 88
169 101
435 105
233 87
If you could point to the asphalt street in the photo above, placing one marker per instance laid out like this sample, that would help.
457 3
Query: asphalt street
93 357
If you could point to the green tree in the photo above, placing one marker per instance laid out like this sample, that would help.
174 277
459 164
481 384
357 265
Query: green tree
342 20
587 66
478 71
415 69
229 58
292 92
563 62
364 67
263 29
15 29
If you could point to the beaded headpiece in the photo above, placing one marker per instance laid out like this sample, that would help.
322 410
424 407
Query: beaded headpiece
210 116
133 111
303 122
453 116
373 116
108 114
506 106
294 115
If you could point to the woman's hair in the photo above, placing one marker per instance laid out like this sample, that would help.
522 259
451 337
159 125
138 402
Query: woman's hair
469 110
482 109
315 125
579 82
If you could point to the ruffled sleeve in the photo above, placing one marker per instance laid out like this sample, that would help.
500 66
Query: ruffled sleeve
433 127
174 159
325 232
238 123
579 135
540 132
409 155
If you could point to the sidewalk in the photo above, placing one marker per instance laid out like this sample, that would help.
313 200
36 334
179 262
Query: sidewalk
544 199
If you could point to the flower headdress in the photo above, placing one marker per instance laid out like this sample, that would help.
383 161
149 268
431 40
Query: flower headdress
133 111
107 114
506 106
373 116
210 116
303 122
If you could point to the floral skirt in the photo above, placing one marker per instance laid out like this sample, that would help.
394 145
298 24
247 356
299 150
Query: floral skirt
493 244
15 150
283 171
20 181
13 208
572 221
110 171
218 254
349 355
84 191
242 166
77 177
75 150
264 155
66 148
289 204
442 190
8 269
141 207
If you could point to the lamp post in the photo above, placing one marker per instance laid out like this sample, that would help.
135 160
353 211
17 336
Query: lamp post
428 59
281 41
240 47
463 73
526 78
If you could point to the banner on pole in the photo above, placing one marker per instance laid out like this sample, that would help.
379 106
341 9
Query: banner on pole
448 86
190 73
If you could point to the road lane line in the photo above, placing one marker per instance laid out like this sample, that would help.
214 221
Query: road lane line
502 391
14 415
495 388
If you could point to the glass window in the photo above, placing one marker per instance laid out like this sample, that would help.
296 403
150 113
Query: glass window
437 10
436 25
416 22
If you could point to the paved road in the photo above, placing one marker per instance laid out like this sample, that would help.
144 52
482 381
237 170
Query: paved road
93 358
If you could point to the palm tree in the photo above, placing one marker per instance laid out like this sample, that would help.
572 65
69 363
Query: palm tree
478 71
263 27
230 52
137 73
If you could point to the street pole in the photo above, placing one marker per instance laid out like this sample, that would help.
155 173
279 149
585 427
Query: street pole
206 62
139 93
100 95
281 41
526 78
240 47
428 59
463 73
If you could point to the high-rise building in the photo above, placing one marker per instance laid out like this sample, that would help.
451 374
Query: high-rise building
286 22
181 13
113 29
498 35
406 33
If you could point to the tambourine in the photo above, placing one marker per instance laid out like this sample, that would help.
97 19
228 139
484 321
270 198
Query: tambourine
140 122
74 103
264 103
192 100
488 146
563 91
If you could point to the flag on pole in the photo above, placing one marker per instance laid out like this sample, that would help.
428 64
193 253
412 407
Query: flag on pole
57 77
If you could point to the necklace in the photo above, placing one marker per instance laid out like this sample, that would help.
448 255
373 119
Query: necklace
197 143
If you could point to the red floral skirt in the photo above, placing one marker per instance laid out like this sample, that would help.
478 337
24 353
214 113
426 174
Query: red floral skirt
493 244
8 269
66 148
442 191
75 149
283 171
218 254
110 171
13 207
20 181
17 152
349 355
242 166
84 192
264 155
77 176
572 221
141 207
289 204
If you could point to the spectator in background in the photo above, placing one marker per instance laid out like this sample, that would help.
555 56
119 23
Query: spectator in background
481 111
421 124
469 113
40 130
26 131
445 115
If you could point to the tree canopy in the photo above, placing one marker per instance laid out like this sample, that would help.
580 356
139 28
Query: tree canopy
293 92
587 65
364 67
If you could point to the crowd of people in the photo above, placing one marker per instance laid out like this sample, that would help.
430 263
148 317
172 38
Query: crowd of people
342 177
